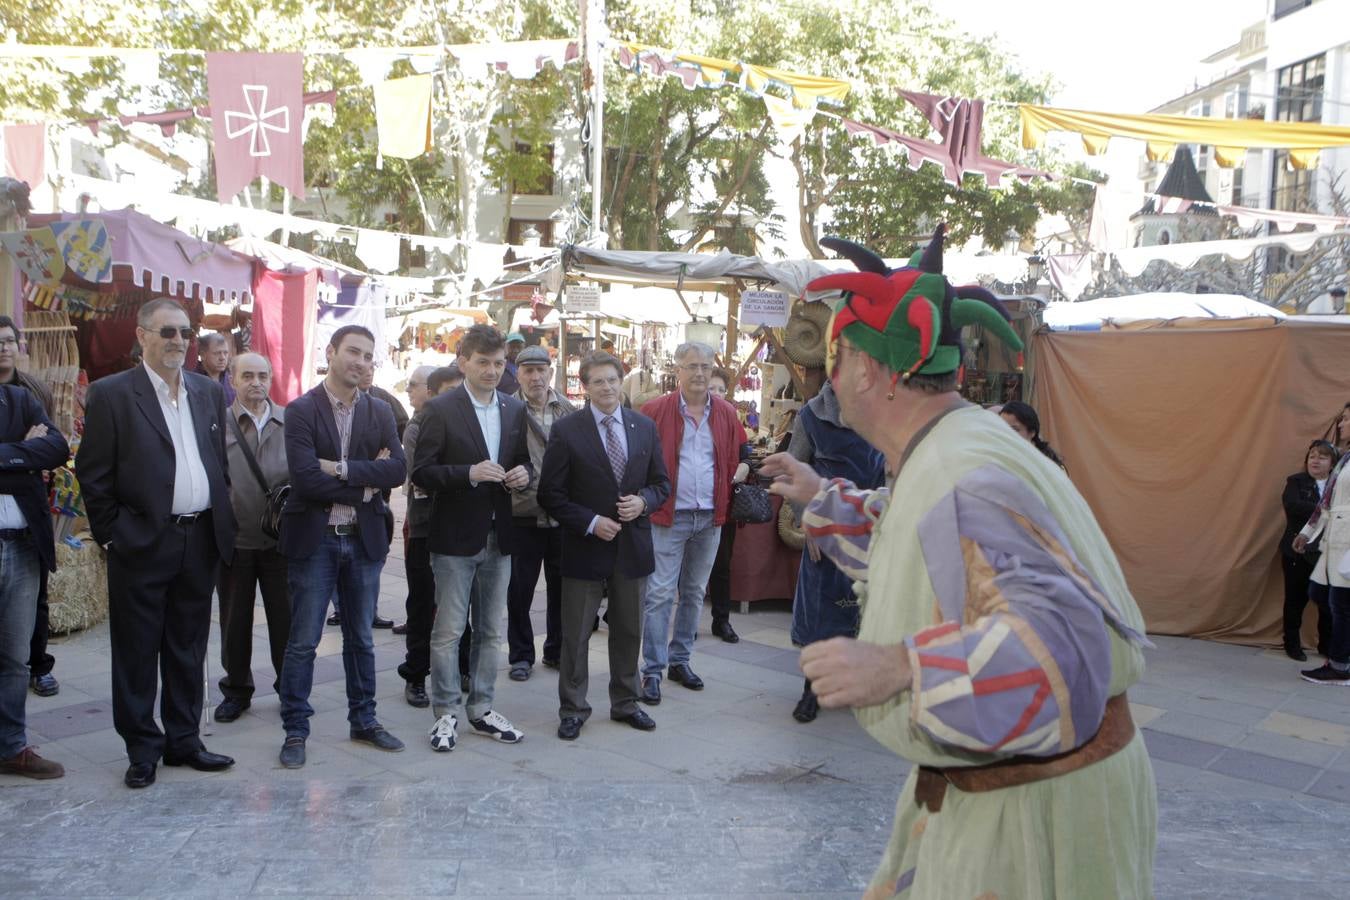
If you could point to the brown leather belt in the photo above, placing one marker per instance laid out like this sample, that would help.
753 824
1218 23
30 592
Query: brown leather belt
1116 730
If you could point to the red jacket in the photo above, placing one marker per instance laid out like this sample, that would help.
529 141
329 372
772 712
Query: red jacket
728 436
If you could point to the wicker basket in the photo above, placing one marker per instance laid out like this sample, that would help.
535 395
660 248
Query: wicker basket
789 531
77 592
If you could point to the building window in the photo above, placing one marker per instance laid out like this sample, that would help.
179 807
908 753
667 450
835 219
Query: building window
1237 186
1285 7
1298 99
542 185
516 230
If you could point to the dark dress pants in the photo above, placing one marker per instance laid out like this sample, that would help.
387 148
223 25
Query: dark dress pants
159 617
237 587
580 602
1297 572
535 548
40 662
719 581
421 608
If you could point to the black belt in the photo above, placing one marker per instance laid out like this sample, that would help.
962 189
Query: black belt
187 518
351 528
13 534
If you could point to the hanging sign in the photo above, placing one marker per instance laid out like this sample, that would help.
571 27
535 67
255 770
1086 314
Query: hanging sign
583 298
764 308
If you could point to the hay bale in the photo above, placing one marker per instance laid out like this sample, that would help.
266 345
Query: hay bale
77 591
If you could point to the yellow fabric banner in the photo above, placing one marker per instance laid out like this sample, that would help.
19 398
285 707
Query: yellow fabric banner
807 90
1303 140
403 116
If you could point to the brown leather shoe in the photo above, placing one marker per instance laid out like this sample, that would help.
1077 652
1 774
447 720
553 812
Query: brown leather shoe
30 765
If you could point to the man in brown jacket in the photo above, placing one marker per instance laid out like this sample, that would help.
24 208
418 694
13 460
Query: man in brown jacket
260 426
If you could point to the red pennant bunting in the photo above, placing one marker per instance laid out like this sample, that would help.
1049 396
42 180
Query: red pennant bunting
257 114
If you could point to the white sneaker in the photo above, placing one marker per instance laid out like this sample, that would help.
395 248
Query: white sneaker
443 734
495 726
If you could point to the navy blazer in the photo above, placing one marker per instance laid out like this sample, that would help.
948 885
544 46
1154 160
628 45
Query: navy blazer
450 443
22 463
577 484
312 435
125 463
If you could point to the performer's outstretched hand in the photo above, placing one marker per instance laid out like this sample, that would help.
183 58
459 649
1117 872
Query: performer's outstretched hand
848 672
793 480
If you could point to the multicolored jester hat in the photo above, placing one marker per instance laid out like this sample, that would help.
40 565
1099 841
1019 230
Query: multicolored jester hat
909 318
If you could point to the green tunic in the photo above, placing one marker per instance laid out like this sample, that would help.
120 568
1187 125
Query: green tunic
1008 630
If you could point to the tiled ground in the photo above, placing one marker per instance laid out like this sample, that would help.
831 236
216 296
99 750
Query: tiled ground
728 797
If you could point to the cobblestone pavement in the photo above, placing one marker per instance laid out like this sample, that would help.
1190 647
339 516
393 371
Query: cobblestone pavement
729 797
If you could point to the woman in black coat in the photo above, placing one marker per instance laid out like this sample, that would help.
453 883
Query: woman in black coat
1302 491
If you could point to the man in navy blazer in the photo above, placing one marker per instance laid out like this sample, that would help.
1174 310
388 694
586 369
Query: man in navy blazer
603 474
29 444
155 482
471 454
342 449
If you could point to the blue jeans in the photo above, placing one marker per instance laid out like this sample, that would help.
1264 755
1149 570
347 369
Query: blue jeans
339 561
19 567
480 580
1336 600
685 552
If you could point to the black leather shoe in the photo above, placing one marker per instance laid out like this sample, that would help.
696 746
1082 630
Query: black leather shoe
569 728
293 753
334 620
636 719
550 663
682 674
380 622
807 707
1294 651
378 738
230 709
651 690
202 760
401 629
415 692
140 775
722 628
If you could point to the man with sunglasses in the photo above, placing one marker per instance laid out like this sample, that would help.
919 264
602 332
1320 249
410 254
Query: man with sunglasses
155 480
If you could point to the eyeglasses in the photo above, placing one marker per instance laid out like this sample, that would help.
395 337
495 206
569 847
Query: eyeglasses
697 367
413 384
168 332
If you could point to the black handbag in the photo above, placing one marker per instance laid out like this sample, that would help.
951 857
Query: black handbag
750 504
276 497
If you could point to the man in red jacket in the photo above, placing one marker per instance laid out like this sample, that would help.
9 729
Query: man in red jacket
703 444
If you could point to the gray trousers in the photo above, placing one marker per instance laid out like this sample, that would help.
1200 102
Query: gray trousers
580 603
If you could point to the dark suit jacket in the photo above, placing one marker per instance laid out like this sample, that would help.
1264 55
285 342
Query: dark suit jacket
125 463
449 443
312 435
22 463
1299 499
577 484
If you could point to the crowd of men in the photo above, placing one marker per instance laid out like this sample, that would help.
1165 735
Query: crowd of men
197 482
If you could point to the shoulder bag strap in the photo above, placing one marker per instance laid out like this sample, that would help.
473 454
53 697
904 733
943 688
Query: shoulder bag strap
248 452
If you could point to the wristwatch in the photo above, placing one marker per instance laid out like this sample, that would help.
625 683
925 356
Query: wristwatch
342 470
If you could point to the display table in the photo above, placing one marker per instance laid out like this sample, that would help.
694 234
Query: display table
762 566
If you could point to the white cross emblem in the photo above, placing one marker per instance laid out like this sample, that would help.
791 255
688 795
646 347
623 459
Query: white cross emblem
255 121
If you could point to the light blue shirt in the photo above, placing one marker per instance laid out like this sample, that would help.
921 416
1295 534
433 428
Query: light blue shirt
619 430
694 488
490 421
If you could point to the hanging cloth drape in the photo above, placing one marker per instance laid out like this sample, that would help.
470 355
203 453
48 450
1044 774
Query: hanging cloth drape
960 122
709 71
1230 138
285 311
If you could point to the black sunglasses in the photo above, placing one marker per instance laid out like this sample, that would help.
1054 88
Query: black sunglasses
168 332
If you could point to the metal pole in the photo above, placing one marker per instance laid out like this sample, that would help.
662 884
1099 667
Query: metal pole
595 33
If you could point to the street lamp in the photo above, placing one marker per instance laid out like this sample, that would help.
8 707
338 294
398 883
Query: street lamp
1035 267
530 237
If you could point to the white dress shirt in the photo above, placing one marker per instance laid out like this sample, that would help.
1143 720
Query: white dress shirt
10 514
191 489
490 421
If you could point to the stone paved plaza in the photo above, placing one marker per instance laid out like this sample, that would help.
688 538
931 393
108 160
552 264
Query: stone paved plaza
729 797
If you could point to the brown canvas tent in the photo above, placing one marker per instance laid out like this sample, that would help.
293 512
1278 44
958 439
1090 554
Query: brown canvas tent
1181 435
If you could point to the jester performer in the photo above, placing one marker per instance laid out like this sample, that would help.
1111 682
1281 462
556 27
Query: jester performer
998 635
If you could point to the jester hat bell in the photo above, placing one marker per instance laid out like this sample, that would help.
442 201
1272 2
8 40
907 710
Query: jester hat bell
909 318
